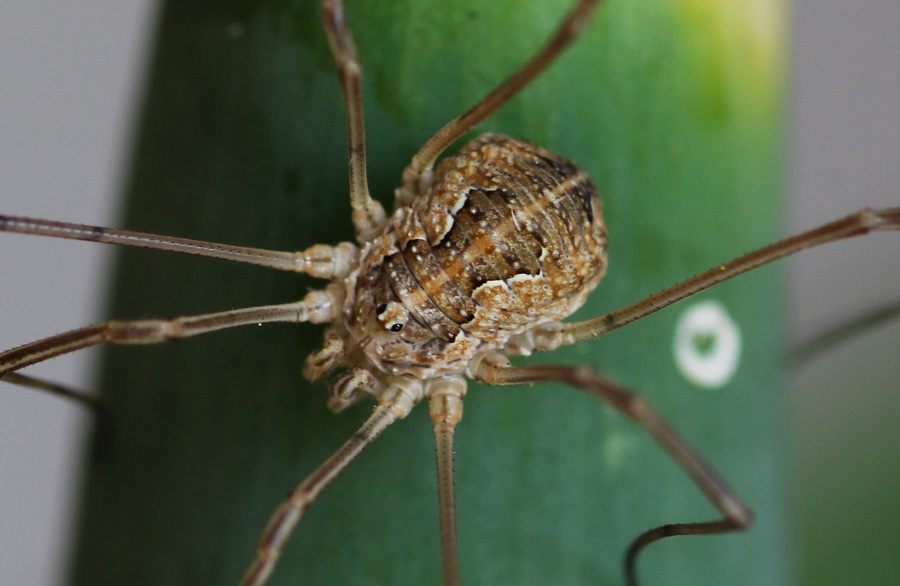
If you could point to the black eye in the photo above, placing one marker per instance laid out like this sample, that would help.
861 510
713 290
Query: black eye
380 309
396 327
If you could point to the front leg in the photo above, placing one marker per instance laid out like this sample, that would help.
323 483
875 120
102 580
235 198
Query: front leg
395 403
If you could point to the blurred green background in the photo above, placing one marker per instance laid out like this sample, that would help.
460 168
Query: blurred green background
844 128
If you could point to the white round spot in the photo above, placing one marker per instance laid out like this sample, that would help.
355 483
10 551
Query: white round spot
707 345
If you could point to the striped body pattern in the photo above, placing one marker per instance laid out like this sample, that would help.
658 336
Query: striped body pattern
506 237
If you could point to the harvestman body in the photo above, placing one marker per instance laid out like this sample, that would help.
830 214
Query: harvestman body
481 260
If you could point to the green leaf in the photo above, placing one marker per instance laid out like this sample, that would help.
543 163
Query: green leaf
673 107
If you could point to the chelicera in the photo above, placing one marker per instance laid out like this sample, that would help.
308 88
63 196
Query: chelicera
483 257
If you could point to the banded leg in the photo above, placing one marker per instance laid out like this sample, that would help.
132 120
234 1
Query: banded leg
316 307
394 404
865 221
368 215
495 369
321 260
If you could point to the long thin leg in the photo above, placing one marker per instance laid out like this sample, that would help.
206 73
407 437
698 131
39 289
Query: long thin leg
569 29
443 443
446 409
368 215
317 307
395 404
52 388
495 369
823 341
860 223
103 420
319 261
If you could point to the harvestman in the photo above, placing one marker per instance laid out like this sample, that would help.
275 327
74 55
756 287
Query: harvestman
481 260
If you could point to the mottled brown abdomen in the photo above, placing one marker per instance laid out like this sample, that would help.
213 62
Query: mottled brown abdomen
508 236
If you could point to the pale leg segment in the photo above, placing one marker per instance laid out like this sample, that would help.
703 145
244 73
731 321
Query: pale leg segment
495 369
446 409
395 403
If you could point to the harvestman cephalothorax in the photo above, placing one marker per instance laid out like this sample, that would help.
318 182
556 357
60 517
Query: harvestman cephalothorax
482 259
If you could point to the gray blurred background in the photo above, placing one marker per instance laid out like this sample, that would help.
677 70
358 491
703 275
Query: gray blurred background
69 75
